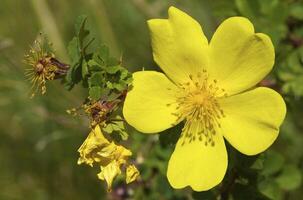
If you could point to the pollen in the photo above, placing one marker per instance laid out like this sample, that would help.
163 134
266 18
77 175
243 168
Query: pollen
197 104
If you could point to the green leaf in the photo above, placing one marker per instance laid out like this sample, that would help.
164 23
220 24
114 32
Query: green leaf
95 92
81 32
290 178
259 163
96 79
273 163
116 127
113 69
73 51
84 69
270 189
101 55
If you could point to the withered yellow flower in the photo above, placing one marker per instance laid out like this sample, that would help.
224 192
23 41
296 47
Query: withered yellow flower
211 86
98 150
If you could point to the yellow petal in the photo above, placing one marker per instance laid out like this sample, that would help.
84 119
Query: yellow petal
92 144
146 105
112 152
196 165
252 119
109 173
239 57
179 45
132 173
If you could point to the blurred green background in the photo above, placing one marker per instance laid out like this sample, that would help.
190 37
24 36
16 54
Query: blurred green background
39 141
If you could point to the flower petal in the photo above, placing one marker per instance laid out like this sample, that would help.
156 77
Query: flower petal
252 119
179 45
239 57
196 165
146 104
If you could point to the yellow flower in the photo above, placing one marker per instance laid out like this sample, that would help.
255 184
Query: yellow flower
96 149
132 173
210 86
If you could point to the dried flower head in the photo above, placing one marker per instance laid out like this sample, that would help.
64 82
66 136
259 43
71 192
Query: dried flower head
42 65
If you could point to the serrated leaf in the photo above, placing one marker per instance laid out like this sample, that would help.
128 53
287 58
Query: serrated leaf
81 32
113 69
96 79
95 92
120 86
93 66
117 127
73 51
101 55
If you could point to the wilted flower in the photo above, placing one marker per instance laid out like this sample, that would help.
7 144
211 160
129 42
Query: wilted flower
43 66
96 149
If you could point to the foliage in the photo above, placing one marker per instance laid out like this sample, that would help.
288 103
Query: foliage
39 141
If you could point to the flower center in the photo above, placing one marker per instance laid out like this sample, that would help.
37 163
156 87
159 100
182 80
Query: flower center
197 104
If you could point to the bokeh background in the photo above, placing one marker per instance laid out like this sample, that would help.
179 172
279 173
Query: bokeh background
39 141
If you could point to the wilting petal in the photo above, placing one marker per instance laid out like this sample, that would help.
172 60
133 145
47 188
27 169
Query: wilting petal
109 173
91 146
132 173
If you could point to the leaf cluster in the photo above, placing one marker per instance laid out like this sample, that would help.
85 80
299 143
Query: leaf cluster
102 74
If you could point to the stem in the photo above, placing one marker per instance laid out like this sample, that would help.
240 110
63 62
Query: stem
227 186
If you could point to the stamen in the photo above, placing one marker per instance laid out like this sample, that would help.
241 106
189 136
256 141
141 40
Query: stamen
197 104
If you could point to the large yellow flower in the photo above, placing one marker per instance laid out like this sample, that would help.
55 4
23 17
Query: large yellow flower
210 86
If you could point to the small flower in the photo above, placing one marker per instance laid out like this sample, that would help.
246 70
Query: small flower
96 149
43 66
132 173
211 87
